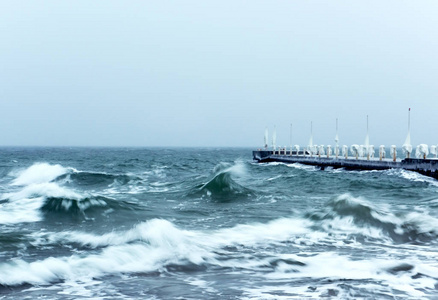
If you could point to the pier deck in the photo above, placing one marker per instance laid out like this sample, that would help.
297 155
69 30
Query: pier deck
428 167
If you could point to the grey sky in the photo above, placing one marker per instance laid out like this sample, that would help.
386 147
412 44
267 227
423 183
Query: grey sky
216 73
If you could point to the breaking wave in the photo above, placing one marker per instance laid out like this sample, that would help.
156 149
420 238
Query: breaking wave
412 176
159 246
39 173
221 186
357 216
38 192
95 179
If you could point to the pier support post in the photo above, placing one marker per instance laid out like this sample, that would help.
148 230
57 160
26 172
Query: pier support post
394 152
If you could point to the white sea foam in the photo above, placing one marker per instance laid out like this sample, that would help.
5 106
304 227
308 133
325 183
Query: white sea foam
39 173
24 210
270 164
335 266
160 244
413 176
49 189
302 167
237 169
152 245
24 205
31 188
275 177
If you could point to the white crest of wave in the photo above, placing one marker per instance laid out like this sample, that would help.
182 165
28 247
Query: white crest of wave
24 205
335 266
39 173
147 247
237 169
297 229
162 233
152 245
158 243
413 176
49 189
302 167
425 223
25 210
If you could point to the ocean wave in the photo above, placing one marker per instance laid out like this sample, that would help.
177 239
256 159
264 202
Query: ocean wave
350 215
48 189
43 190
22 211
344 219
303 167
31 203
83 178
39 173
72 206
412 176
25 205
221 186
159 246
329 272
43 173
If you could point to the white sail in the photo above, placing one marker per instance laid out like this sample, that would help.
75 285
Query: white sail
408 139
366 147
274 139
407 147
367 141
266 137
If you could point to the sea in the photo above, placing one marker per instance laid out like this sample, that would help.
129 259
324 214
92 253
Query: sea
210 223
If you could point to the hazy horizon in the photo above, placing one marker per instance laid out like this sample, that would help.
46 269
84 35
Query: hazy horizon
216 74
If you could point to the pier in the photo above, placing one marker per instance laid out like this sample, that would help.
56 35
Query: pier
428 167
363 155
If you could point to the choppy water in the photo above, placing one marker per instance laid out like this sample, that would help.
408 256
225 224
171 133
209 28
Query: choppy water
210 224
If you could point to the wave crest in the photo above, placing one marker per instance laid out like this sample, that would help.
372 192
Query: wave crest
39 173
350 215
222 187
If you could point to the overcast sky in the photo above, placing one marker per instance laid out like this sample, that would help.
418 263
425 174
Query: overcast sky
216 73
